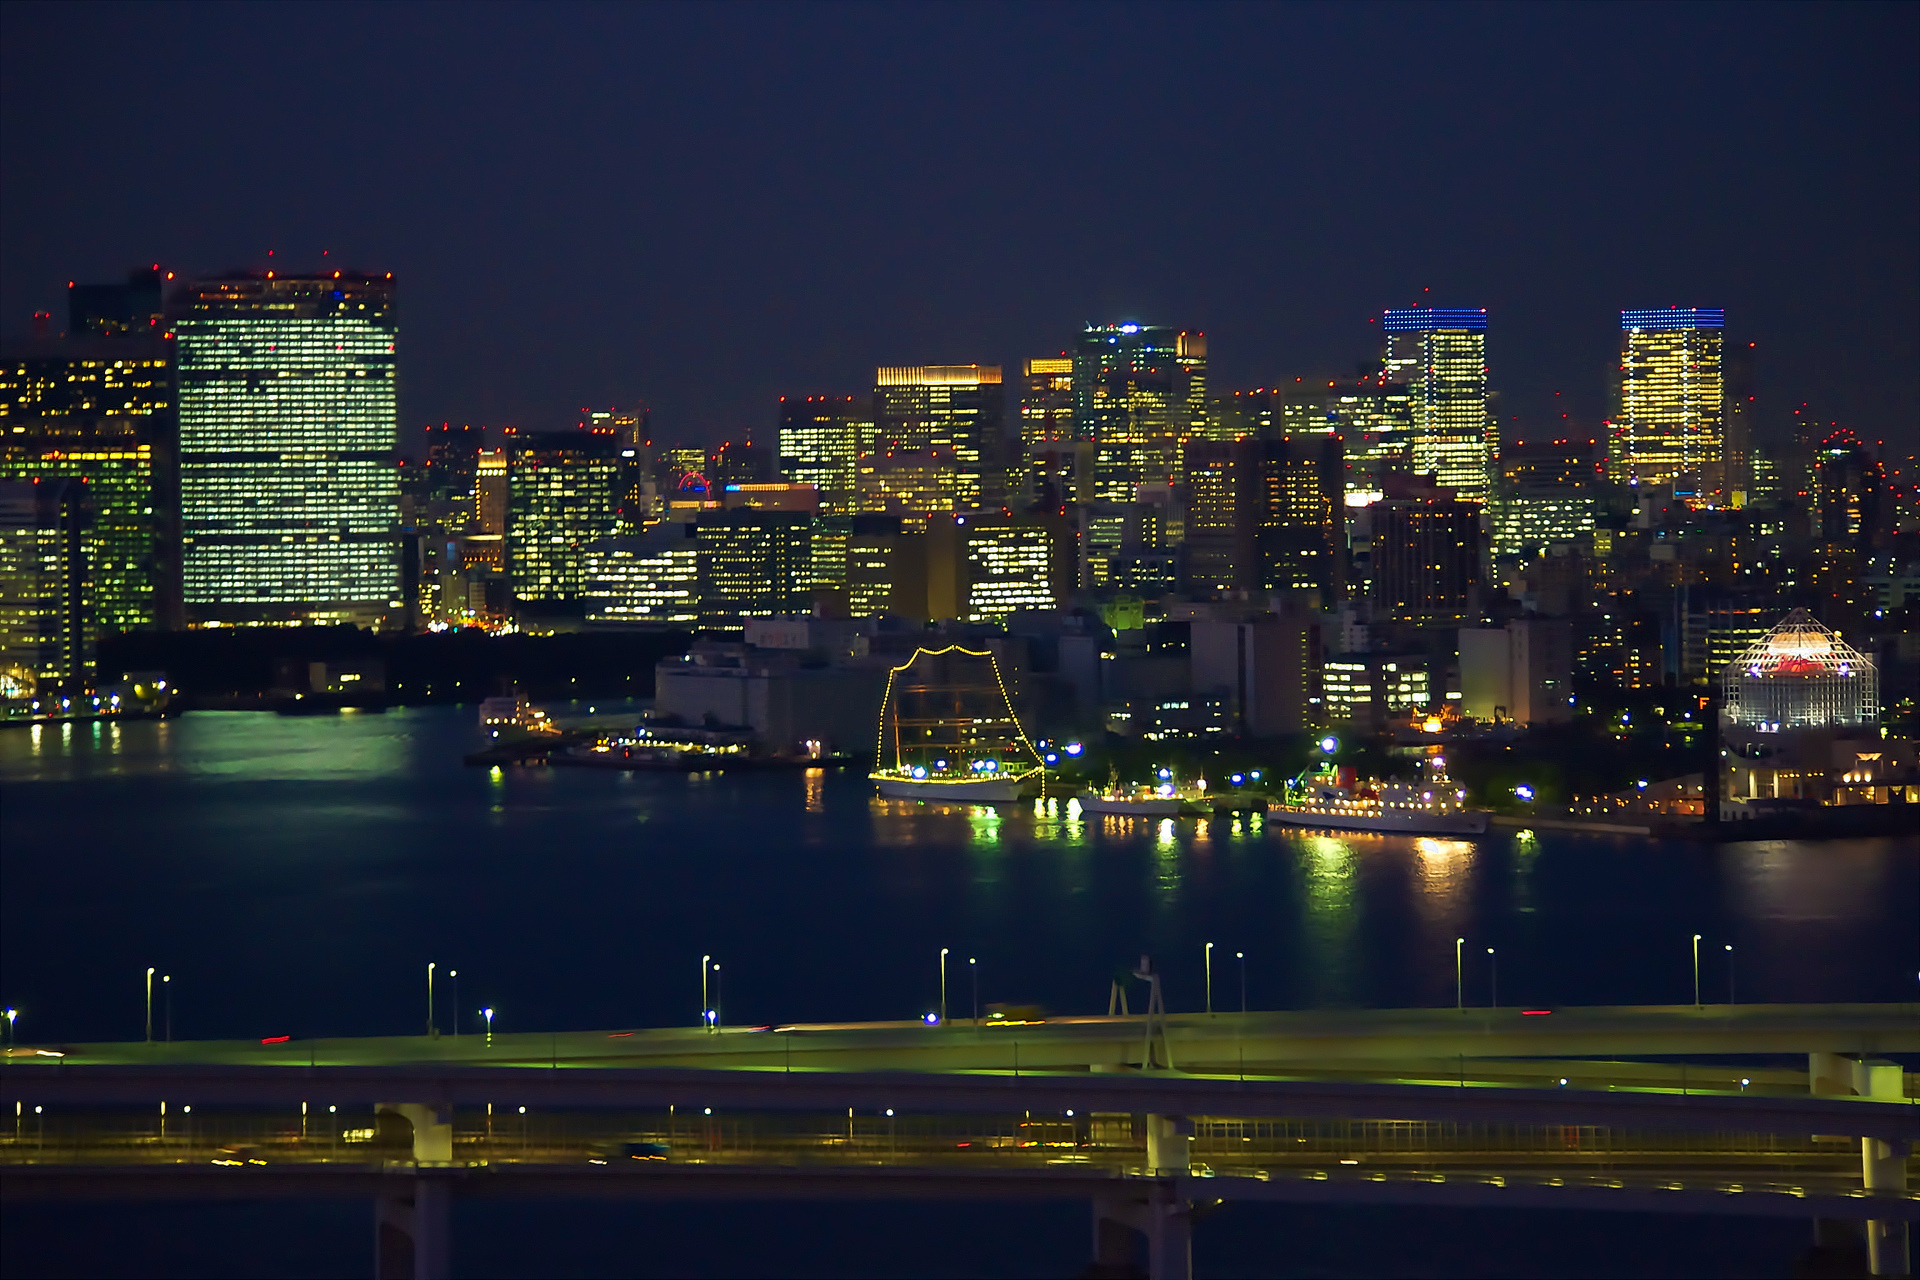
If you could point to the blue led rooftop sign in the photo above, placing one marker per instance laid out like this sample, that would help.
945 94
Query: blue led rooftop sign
1675 318
1413 319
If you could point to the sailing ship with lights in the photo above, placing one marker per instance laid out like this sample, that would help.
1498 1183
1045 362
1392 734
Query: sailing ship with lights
1162 799
948 732
1335 798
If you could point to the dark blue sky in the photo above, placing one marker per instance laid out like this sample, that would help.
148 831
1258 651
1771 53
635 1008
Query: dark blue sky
707 206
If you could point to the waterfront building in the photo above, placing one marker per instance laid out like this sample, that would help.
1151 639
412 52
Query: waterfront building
560 497
288 425
1522 673
821 440
1441 356
1426 554
102 410
1263 671
955 413
1671 425
647 579
1368 689
753 564
47 627
1140 391
1800 676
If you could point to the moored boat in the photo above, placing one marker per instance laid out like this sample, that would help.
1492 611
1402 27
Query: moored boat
1336 799
950 730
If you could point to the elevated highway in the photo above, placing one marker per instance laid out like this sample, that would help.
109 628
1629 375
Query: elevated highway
1145 1117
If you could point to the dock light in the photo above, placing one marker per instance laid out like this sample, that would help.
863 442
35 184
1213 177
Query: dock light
1074 748
1052 758
1524 791
1238 779
1166 773
1256 775
1642 784
930 1019
919 771
1329 744
939 764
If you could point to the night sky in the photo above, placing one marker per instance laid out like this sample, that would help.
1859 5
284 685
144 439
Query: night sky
708 206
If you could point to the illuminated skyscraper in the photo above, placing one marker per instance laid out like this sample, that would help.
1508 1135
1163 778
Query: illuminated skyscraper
490 492
288 425
820 443
1547 494
1267 515
101 410
561 490
1426 554
46 607
1139 392
1441 356
954 412
653 578
1014 564
1046 402
1672 421
753 564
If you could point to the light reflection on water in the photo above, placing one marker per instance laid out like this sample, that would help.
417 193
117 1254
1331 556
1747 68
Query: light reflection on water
353 834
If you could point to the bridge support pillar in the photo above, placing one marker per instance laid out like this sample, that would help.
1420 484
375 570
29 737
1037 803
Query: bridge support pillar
412 1228
1883 1168
1164 1217
1169 1145
432 1130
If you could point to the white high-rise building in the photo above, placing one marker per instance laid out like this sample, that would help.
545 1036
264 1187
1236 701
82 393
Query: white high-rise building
1441 355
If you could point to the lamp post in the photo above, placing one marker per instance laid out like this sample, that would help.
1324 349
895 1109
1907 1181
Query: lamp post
1459 981
1493 980
11 1015
166 1004
719 997
943 986
1696 971
706 1007
149 1004
1209 957
1730 991
487 1013
455 975
973 970
1241 956
429 998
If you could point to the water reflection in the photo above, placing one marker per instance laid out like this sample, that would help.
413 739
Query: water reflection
1329 922
816 783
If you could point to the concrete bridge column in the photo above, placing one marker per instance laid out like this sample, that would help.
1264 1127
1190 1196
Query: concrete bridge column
1169 1234
1164 1217
412 1231
1169 1145
1883 1168
432 1129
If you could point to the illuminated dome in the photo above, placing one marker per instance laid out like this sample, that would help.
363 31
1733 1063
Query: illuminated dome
1801 676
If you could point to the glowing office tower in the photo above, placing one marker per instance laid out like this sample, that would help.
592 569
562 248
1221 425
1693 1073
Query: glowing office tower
652 578
562 487
288 423
1046 402
954 412
101 410
1139 392
1013 565
820 439
1672 422
1441 355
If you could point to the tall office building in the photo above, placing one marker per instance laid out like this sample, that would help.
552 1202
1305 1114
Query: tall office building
1046 402
1548 493
648 579
1139 392
46 610
288 424
560 498
1426 554
1672 417
1267 516
1441 356
820 444
490 484
118 310
955 412
753 564
1012 564
101 409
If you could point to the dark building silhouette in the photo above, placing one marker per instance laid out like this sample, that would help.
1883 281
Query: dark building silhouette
1426 554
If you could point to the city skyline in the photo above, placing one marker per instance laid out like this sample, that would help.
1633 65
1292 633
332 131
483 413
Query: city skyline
708 302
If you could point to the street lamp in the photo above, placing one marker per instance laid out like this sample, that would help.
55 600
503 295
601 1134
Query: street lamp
719 996
1459 982
1696 971
166 999
455 975
11 1015
149 1004
429 998
1241 956
1730 992
1209 957
1493 980
706 1008
487 1013
943 986
973 970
